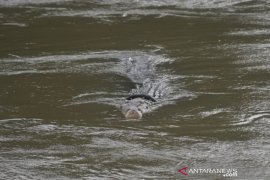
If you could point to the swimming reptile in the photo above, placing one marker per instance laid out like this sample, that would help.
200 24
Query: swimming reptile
143 99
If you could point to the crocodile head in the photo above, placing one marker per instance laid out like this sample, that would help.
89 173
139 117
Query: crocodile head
135 108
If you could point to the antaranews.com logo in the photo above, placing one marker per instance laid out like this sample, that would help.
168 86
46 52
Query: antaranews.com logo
186 171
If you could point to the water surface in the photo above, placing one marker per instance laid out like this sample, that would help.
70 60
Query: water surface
62 77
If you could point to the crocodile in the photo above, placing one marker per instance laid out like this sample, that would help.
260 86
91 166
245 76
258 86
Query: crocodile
145 98
150 88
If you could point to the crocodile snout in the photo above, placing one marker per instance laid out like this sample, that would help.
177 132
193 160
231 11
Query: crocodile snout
133 114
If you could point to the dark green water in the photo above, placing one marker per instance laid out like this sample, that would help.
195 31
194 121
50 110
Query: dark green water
61 82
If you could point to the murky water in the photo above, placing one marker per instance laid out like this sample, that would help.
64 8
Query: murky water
62 76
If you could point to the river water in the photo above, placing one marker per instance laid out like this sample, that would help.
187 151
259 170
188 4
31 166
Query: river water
62 76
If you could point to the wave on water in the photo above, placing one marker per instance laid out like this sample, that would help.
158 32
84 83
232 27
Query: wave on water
19 123
102 61
105 10
254 57
253 32
256 111
9 3
136 3
251 119
246 11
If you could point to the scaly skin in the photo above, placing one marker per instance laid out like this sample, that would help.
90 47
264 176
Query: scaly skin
142 73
